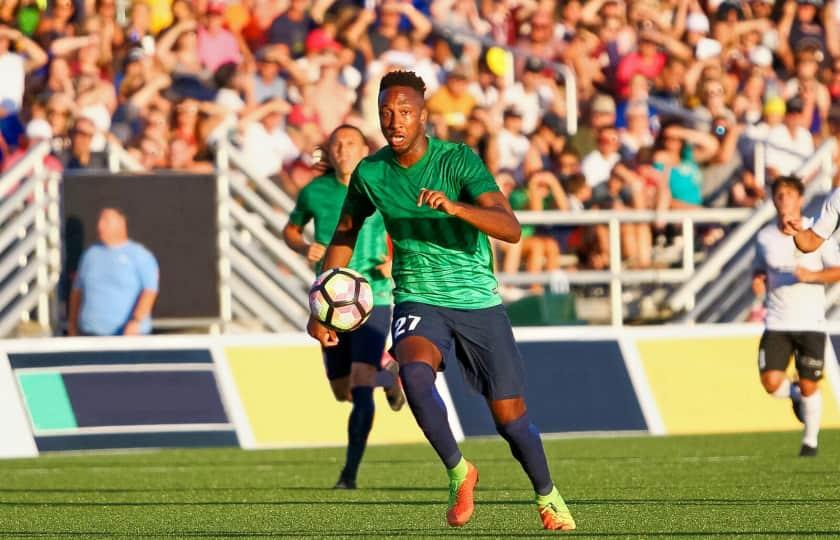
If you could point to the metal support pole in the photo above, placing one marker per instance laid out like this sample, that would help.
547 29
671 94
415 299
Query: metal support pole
616 305
688 255
42 278
223 201
760 162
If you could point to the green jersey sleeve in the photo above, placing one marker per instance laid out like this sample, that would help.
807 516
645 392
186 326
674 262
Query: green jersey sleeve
302 212
357 203
475 178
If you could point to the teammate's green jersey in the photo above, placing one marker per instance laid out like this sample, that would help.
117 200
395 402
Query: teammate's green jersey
321 200
438 259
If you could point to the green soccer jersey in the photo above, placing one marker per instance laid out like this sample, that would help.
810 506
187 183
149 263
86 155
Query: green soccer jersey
321 200
438 259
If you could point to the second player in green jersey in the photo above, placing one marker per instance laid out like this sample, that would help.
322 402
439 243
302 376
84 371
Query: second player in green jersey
353 367
321 200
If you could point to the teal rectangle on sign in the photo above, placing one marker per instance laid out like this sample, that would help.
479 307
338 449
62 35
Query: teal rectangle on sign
47 401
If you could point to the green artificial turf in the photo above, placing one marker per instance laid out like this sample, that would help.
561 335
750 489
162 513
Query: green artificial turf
731 486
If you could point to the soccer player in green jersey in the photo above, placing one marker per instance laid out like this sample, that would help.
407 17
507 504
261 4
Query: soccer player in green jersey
440 203
353 366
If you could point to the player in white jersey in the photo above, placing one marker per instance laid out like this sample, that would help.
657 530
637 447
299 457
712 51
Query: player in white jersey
794 285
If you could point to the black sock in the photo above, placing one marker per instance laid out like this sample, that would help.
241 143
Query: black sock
526 446
358 428
429 410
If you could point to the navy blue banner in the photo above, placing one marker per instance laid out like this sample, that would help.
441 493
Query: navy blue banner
835 342
137 440
144 398
571 386
104 358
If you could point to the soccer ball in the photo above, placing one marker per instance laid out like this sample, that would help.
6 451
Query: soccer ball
341 299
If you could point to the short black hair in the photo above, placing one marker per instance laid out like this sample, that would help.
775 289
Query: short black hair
403 78
790 181
575 183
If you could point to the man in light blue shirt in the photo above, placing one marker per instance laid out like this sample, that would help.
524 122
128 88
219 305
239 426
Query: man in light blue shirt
116 284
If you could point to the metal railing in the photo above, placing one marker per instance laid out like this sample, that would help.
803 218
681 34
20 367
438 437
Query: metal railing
731 253
119 160
617 276
260 277
30 236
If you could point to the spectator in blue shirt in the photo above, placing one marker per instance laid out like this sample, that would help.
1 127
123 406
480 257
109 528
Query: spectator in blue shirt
116 284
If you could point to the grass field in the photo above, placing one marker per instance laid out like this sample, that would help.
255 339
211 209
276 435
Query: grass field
732 486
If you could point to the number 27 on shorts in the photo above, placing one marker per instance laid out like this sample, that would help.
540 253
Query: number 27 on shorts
405 324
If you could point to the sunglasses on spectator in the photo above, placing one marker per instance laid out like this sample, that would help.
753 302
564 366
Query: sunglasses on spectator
82 133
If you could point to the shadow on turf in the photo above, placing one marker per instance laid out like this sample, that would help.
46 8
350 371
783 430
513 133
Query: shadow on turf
469 531
484 502
242 488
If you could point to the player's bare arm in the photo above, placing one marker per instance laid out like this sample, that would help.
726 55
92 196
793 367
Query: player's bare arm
491 214
293 235
806 240
825 276
340 250
338 255
759 284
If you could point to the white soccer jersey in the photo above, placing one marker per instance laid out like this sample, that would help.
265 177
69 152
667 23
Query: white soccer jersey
791 305
829 217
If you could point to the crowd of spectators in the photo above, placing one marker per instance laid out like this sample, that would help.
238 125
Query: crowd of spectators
671 94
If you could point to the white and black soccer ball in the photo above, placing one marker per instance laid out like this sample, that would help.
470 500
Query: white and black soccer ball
341 299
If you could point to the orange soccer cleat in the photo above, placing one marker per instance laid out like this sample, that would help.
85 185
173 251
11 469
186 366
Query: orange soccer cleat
461 504
554 513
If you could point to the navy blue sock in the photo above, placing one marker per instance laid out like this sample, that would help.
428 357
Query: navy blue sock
526 446
384 378
429 410
358 428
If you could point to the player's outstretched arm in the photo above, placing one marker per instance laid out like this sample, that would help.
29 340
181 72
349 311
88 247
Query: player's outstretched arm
340 250
491 213
338 254
825 276
810 239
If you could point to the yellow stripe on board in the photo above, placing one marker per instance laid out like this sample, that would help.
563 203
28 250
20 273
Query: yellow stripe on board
711 385
288 400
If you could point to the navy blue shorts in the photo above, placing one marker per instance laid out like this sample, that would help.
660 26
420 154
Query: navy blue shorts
480 339
364 345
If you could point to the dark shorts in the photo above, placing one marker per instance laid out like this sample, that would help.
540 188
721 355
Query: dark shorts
480 339
364 345
808 348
